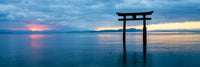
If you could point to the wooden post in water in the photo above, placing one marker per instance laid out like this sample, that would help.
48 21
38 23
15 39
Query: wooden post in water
124 34
134 17
144 38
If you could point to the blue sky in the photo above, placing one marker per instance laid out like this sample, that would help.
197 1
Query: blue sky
75 15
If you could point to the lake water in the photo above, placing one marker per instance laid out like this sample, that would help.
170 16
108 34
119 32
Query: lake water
164 49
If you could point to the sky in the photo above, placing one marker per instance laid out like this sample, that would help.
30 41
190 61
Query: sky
80 15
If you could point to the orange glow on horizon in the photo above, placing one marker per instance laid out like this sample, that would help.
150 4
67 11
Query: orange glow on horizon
161 26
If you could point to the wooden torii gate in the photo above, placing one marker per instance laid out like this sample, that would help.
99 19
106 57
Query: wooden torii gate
134 17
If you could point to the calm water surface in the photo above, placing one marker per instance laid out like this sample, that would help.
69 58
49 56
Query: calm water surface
164 49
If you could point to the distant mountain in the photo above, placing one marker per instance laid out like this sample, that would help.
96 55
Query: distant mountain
139 30
180 30
120 30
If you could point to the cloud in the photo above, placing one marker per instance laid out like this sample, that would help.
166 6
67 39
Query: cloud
91 14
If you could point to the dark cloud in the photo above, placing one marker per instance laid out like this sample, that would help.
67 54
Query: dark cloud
91 14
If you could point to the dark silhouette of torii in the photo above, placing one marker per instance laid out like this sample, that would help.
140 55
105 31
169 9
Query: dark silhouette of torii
134 17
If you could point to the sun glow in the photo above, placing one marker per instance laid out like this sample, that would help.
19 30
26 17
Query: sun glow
161 26
34 29
37 27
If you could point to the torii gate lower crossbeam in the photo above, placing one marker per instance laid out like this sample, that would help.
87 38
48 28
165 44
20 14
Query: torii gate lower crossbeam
134 17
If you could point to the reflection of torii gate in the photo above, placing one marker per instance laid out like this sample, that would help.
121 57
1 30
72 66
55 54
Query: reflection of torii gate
134 17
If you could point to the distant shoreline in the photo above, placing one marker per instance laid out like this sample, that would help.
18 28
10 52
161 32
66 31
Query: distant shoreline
87 31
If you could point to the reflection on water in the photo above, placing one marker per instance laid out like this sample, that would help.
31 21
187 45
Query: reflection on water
174 42
175 39
134 62
34 36
109 38
99 50
35 43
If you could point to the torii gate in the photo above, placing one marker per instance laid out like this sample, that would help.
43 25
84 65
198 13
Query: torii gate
134 17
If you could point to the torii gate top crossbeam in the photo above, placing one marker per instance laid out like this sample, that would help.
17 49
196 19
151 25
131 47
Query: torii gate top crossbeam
132 14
